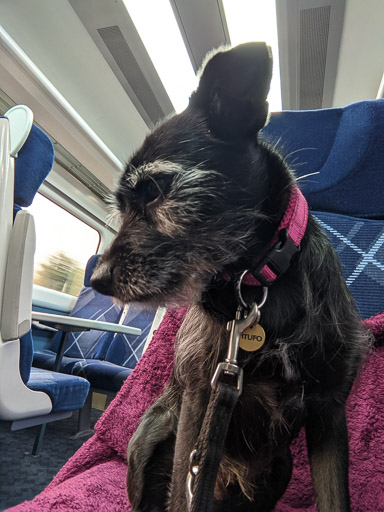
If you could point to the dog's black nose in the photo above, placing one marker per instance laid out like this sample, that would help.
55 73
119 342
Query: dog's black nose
101 280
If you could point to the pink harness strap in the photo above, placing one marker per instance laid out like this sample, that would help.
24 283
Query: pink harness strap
294 222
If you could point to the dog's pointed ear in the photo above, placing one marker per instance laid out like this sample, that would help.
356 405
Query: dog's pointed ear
233 89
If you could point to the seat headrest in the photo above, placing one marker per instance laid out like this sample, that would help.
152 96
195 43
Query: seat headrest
345 145
34 162
91 264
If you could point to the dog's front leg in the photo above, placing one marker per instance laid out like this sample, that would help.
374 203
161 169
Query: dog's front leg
150 458
327 439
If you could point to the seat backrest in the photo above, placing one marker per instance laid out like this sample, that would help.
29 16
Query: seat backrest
126 349
121 349
16 268
95 306
360 245
32 164
345 148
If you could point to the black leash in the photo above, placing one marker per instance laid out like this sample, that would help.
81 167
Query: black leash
206 457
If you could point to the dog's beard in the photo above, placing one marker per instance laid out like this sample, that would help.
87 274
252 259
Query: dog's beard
187 292
190 293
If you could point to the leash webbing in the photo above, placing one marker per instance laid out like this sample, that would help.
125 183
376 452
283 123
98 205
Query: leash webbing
210 444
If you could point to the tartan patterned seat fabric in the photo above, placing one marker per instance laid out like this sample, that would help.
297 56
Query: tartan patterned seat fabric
90 304
126 349
90 344
105 359
337 155
360 246
122 355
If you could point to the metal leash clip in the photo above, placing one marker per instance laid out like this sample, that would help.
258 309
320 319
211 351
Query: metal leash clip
237 326
193 469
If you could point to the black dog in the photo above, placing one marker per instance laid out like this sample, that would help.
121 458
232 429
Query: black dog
200 203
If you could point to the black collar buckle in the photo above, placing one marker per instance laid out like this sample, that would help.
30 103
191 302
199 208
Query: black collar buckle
278 259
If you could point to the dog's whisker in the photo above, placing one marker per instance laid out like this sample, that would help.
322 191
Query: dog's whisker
246 441
287 157
307 176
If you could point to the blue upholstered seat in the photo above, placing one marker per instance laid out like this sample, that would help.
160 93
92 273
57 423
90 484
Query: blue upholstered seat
102 375
345 147
66 392
32 165
58 395
359 243
90 304
104 359
45 359
122 355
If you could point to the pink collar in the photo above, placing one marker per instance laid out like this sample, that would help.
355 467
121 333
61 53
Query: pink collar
286 242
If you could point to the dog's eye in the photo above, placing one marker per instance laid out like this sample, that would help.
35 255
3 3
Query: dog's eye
152 188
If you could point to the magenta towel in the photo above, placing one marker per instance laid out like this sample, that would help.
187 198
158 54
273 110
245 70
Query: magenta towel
94 478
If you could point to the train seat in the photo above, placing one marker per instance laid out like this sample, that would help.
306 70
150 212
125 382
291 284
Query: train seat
105 359
338 156
123 352
27 396
85 344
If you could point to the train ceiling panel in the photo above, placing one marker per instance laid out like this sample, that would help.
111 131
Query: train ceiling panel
95 55
203 25
309 44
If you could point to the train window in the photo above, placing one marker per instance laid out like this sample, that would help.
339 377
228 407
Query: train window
64 244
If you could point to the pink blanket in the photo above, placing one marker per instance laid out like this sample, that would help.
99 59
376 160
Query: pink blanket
94 478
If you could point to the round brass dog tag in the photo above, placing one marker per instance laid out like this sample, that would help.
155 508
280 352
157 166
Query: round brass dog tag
252 338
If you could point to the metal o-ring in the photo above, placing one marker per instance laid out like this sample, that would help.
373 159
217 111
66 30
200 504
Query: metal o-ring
240 297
